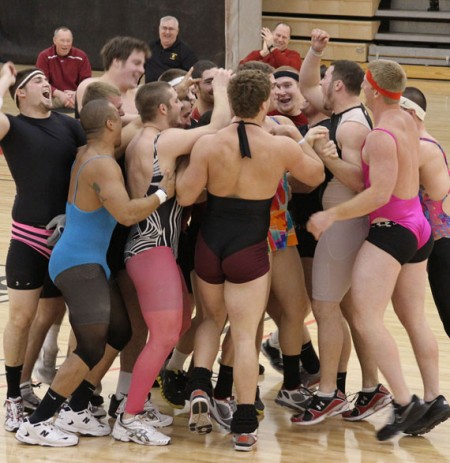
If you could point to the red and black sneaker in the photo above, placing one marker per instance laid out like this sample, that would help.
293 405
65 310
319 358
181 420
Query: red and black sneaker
367 403
320 408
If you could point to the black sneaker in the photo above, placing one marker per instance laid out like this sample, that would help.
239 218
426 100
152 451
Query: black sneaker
173 385
402 418
273 355
438 411
259 405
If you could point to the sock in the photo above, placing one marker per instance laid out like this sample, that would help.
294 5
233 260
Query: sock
369 389
48 407
291 371
309 358
244 419
200 379
123 384
340 380
325 394
81 396
177 360
224 384
274 340
13 375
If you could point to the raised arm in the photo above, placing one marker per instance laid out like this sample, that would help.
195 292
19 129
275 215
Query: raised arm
7 78
309 77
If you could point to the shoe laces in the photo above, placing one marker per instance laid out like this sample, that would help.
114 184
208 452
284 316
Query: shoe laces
14 409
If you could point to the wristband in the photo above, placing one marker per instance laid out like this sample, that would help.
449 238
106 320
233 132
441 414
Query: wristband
270 48
162 196
315 53
303 140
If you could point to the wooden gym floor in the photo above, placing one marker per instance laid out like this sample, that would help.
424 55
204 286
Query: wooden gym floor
279 441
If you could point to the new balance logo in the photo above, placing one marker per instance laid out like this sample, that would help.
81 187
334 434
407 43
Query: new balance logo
86 420
44 433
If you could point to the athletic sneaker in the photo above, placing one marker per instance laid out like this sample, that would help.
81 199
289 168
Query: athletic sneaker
367 403
273 355
245 442
199 419
438 411
154 416
320 408
139 430
29 398
297 399
81 422
222 411
259 404
173 385
309 380
14 413
45 433
403 418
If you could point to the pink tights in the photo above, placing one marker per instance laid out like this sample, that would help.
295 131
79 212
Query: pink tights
165 306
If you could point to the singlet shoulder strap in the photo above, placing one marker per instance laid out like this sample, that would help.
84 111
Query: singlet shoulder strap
380 129
438 145
79 172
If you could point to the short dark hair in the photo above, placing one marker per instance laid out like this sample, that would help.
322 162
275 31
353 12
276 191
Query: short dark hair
416 96
149 97
94 115
21 78
247 91
120 48
351 74
201 66
171 74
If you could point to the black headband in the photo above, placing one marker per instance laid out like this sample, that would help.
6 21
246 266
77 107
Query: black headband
290 74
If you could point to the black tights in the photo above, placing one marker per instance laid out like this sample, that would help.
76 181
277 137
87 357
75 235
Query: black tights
439 278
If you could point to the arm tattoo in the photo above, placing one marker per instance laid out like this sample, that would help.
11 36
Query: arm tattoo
96 188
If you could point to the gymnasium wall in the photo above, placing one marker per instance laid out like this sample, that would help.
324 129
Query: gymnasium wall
26 26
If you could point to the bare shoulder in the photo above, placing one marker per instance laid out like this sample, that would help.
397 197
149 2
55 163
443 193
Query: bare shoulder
283 120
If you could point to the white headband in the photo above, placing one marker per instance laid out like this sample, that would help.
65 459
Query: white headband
176 81
406 103
25 81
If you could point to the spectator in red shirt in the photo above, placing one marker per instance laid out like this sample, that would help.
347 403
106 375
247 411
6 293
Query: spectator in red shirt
274 49
65 67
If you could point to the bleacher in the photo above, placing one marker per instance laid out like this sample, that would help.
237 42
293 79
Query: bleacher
363 30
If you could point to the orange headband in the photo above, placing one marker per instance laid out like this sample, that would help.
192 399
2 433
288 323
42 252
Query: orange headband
392 95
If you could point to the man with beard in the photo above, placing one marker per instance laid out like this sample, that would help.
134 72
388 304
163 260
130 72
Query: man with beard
203 72
337 94
39 147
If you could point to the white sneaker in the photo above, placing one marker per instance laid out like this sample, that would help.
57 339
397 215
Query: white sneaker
29 398
222 411
14 413
157 419
140 430
83 422
45 433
